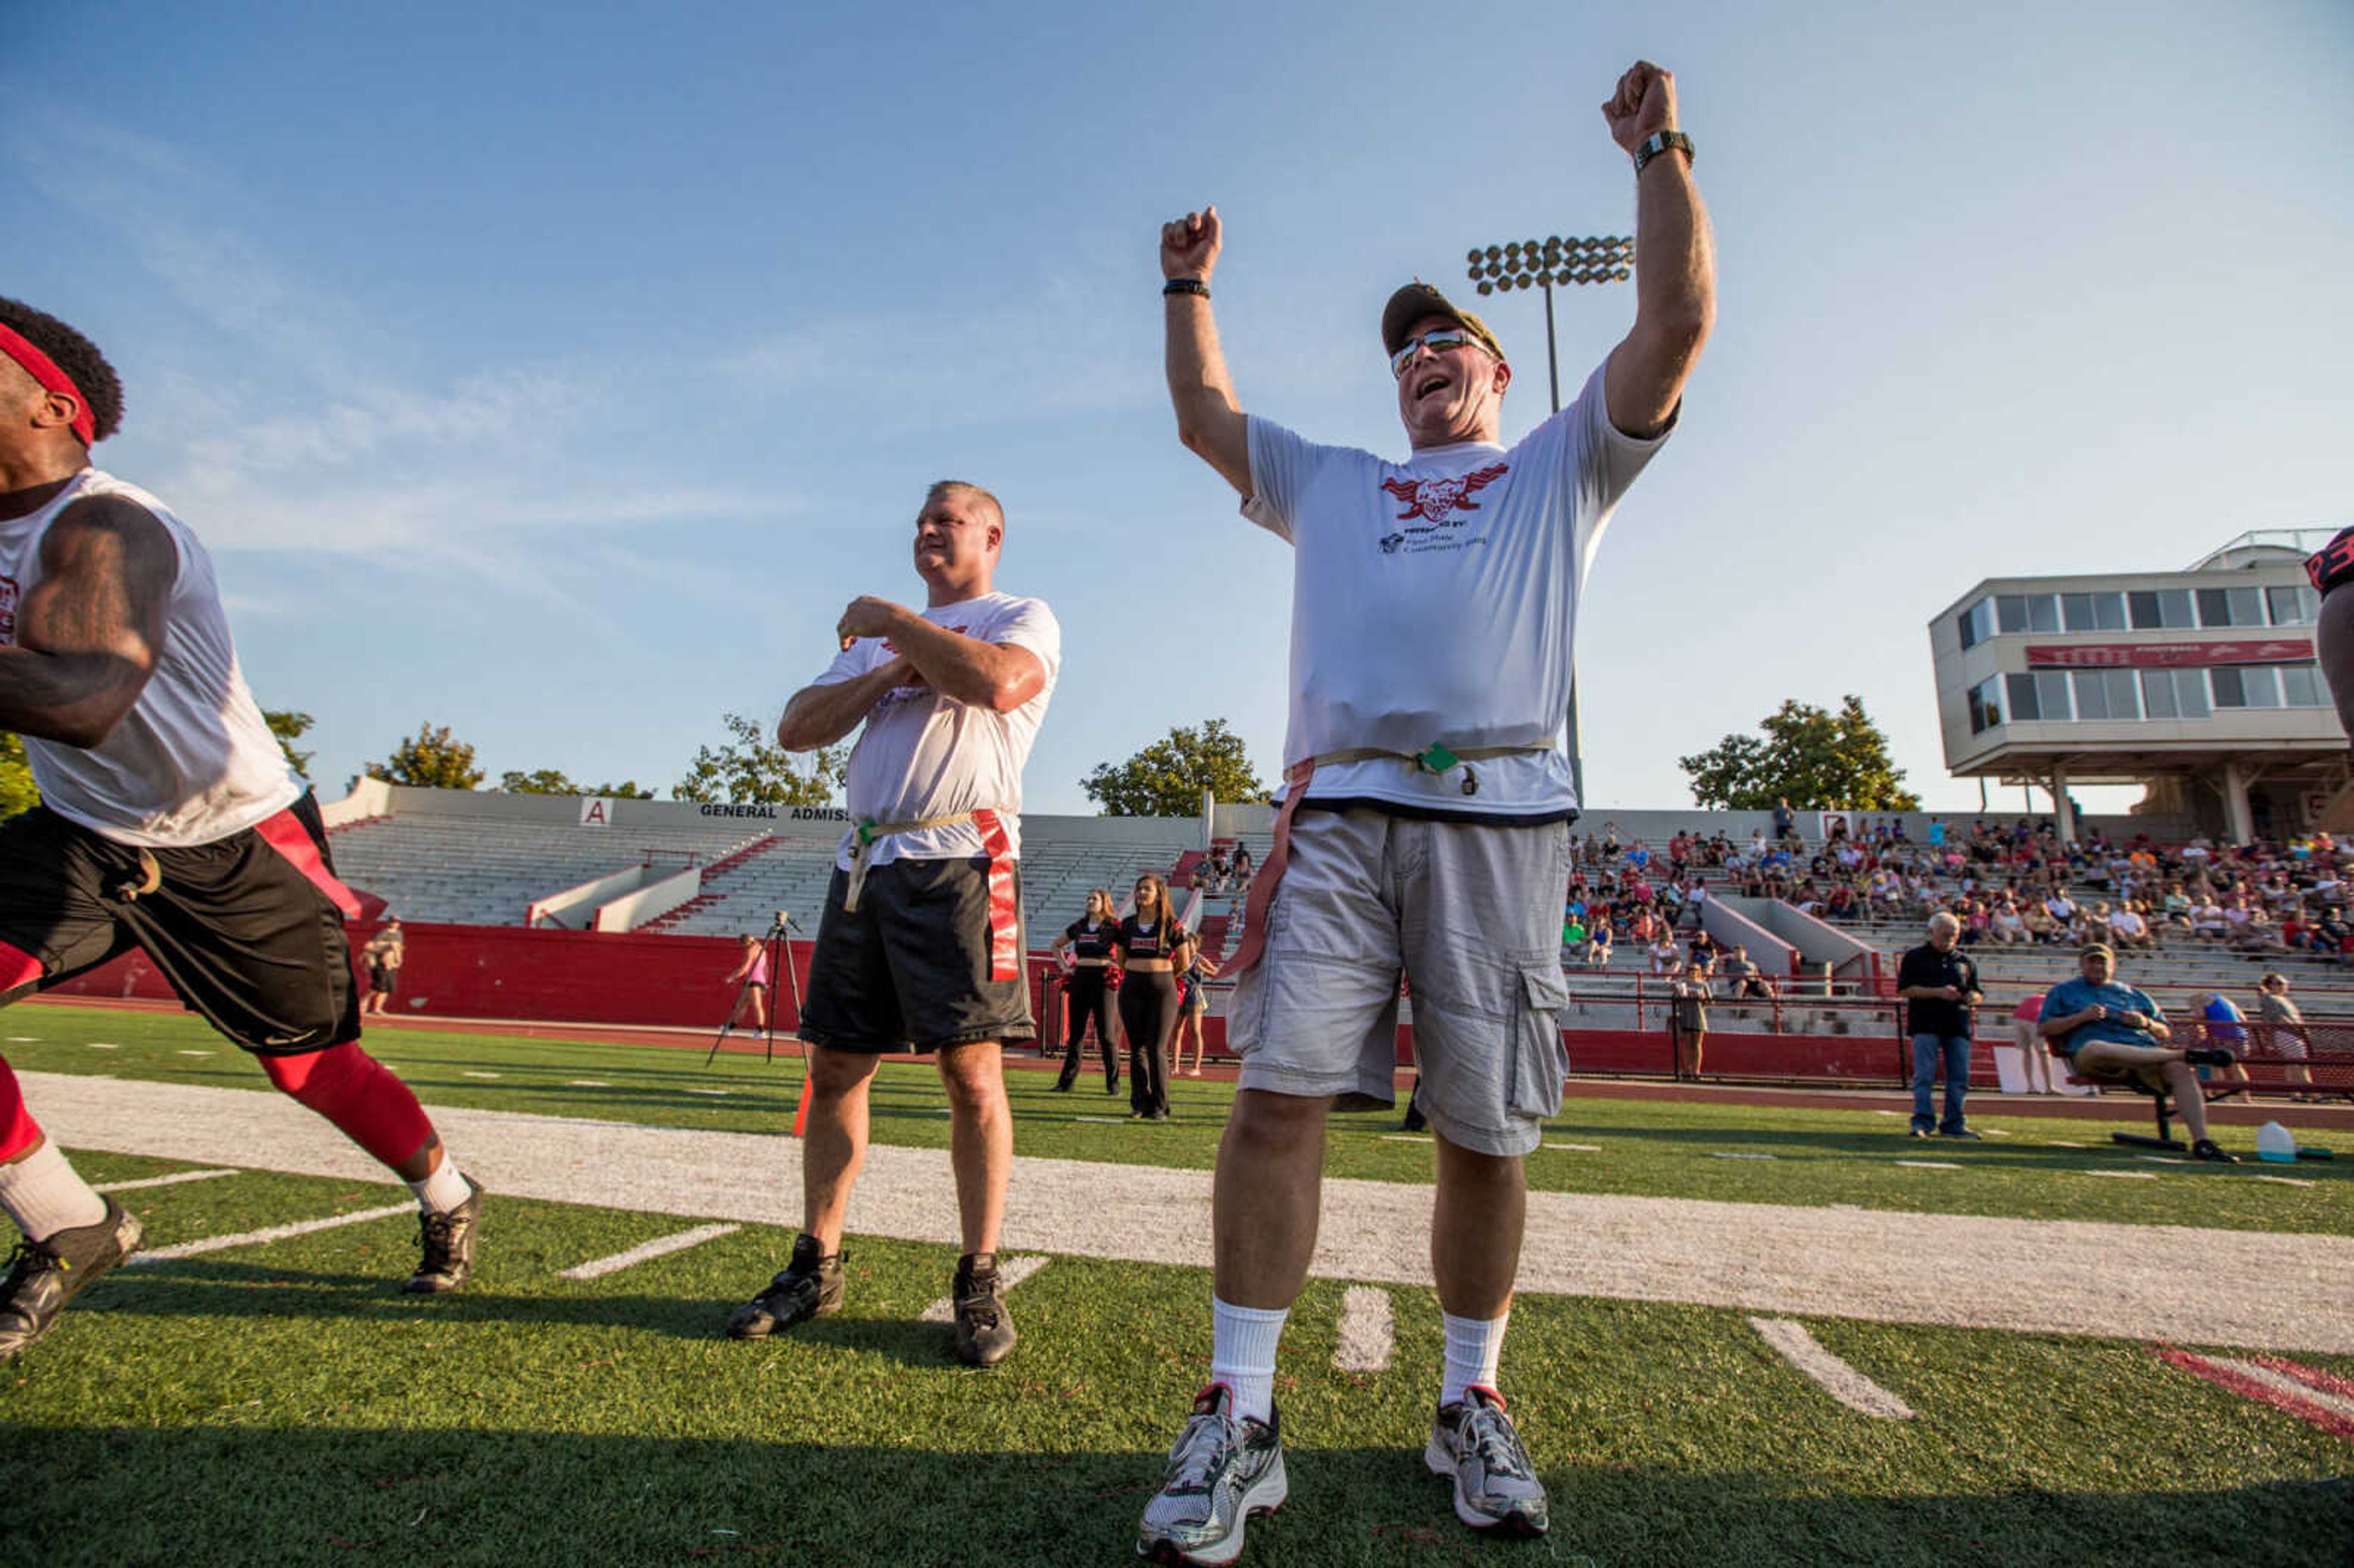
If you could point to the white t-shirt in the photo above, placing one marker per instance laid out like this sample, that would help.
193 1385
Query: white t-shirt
193 761
925 755
1436 600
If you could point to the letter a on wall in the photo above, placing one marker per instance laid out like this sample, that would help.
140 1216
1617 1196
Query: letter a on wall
596 812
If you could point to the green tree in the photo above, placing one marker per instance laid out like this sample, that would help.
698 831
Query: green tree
17 791
555 781
288 727
1167 778
754 769
432 759
1817 760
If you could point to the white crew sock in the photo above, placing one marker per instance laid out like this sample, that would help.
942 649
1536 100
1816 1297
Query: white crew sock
44 1196
1472 1350
443 1189
1242 1355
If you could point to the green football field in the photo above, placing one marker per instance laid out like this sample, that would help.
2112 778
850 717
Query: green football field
275 1401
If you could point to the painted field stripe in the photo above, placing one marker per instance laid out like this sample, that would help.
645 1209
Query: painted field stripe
22 1039
2163 1159
1577 1148
586 1083
275 1232
2122 1175
1733 1154
474 1075
1405 1137
678 1241
196 1053
2056 1143
1833 1376
2283 1181
172 1181
1011 1272
719 1092
2333 1413
1930 1164
2312 1377
1367 1335
1992 1132
101 1045
1103 1120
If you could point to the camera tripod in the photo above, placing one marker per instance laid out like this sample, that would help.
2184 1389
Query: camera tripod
780 956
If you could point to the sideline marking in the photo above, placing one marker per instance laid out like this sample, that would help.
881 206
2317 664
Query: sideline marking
1367 1335
1833 1375
2162 1158
1103 1120
2306 1392
23 1039
1992 1132
1577 1148
1930 1164
1011 1272
275 1232
2124 1175
2057 1144
678 1241
101 1045
586 1083
718 1091
172 1181
2283 1181
471 1074
1728 1154
1405 1137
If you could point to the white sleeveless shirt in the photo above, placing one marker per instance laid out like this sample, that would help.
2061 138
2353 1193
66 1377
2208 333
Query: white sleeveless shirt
192 762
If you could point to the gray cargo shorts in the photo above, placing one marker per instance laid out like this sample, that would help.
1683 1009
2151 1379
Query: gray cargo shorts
1470 916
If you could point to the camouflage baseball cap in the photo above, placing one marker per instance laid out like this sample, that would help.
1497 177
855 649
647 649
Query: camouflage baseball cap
1418 300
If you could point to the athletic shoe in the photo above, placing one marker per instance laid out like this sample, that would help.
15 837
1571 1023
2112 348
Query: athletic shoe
446 1242
1063 1086
43 1276
1221 1474
2208 1149
1920 1133
1496 1488
2210 1057
984 1330
1963 1133
809 1286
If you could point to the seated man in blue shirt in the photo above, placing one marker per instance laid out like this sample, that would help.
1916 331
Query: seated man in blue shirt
2113 1032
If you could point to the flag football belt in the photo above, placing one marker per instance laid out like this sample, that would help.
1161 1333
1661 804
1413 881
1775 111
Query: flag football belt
1435 759
861 845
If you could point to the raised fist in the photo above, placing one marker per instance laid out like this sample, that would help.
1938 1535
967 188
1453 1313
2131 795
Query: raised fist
1189 245
1644 104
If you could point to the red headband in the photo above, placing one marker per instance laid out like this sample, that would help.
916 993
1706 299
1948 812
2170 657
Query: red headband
44 369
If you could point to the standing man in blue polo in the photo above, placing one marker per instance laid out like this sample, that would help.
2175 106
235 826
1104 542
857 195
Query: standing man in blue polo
1939 984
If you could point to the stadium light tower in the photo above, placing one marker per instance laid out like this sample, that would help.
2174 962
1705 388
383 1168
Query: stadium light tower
1541 264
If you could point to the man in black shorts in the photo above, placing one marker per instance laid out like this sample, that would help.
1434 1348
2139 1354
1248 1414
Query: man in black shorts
920 944
169 821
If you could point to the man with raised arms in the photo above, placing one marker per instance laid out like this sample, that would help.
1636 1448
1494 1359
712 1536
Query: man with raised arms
1425 822
169 821
921 943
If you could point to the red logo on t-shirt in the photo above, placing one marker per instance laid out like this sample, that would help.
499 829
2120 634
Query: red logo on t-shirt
8 611
1433 499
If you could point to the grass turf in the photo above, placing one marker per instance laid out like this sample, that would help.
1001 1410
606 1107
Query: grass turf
276 1403
1655 1147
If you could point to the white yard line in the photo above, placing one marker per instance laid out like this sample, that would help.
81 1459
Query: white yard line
1103 1120
2283 1181
2296 1388
1834 1376
172 1181
474 1075
718 1093
275 1232
2122 1175
1577 1148
1930 1164
1405 1137
586 1084
196 1053
2068 1276
101 1045
1011 1272
1733 1154
661 1246
1368 1333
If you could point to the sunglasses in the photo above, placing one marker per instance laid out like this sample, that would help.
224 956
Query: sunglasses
1437 341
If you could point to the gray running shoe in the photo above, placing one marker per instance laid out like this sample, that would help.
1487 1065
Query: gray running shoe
446 1246
809 1286
984 1330
1496 1488
1221 1474
43 1276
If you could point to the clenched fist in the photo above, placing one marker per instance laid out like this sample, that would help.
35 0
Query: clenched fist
1189 245
1643 105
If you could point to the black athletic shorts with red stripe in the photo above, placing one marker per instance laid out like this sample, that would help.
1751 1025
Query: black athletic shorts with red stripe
249 928
932 958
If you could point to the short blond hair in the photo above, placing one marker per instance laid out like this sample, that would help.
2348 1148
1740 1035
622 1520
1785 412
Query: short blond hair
972 492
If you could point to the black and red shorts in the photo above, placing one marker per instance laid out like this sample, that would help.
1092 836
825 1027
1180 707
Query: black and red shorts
933 956
249 928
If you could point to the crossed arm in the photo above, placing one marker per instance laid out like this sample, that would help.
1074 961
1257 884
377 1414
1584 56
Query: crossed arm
89 633
997 677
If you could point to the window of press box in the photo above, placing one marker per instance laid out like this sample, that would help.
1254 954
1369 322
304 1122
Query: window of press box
2107 695
2295 606
1975 623
2028 611
2254 687
2302 687
2092 611
1986 705
2231 606
2174 693
2161 609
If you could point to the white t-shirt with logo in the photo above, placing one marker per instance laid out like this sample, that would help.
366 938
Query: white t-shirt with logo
1435 601
193 761
925 755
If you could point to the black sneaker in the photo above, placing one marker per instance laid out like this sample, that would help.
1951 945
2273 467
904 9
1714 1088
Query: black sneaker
984 1330
2208 1149
43 1276
809 1286
446 1242
2210 1057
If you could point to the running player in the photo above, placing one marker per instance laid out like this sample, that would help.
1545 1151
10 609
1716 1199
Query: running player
169 821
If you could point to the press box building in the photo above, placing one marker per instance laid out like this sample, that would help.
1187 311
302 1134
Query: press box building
2201 685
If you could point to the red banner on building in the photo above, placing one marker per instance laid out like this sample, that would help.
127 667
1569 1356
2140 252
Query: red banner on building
2167 655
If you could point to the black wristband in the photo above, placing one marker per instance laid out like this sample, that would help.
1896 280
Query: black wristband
1186 286
1658 144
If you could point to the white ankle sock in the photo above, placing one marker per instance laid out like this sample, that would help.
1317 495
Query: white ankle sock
44 1196
1242 1355
442 1190
1472 1350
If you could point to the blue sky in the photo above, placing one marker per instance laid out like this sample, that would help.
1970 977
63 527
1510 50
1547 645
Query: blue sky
557 373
